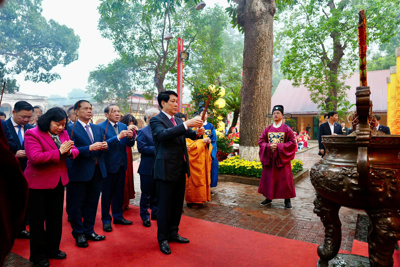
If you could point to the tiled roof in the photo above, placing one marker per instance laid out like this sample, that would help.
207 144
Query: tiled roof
296 100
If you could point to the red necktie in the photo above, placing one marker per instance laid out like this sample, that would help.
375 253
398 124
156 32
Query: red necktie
173 121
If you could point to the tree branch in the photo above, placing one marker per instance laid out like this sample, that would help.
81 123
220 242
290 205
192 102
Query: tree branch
150 37
186 80
172 66
324 53
163 31
326 15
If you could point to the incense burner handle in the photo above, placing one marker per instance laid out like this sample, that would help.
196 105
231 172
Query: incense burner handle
363 133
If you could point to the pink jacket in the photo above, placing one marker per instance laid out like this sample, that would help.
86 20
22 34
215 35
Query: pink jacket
45 166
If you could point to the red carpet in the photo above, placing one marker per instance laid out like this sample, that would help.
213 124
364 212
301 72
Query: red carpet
211 244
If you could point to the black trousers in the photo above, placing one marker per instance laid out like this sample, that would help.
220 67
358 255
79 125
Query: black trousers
170 203
45 208
83 200
112 195
147 197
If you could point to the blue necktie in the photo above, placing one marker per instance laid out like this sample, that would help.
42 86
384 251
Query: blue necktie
21 140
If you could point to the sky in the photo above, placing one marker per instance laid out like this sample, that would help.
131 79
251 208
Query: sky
82 16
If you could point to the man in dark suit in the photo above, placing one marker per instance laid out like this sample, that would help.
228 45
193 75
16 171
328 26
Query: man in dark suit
118 136
11 142
71 116
376 124
171 165
86 173
345 130
145 147
3 116
331 127
17 125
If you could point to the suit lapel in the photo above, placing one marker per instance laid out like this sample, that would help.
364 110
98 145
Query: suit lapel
11 128
82 132
169 123
166 120
46 136
110 130
95 133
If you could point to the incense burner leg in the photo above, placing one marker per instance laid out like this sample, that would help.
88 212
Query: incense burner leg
384 231
328 212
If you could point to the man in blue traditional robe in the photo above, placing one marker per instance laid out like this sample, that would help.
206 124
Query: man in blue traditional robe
277 148
210 132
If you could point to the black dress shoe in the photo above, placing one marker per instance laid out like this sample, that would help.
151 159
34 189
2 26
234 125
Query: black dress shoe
178 239
164 247
153 217
95 237
42 263
122 221
60 255
107 227
147 223
24 234
81 241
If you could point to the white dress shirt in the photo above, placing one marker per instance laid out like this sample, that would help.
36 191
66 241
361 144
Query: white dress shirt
332 126
17 129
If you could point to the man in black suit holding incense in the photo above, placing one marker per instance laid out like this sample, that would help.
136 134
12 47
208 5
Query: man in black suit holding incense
376 124
331 127
171 166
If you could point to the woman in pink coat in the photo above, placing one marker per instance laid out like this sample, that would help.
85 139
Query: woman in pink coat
47 146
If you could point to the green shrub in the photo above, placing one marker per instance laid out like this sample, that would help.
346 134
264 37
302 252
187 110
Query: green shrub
224 144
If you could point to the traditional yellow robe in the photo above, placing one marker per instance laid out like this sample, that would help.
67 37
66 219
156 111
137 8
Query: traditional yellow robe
198 184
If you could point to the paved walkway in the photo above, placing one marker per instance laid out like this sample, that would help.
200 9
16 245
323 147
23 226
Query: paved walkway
239 205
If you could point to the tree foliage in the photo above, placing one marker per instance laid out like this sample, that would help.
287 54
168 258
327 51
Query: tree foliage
386 55
31 45
208 60
148 61
321 42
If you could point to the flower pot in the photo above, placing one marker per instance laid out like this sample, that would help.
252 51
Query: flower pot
221 155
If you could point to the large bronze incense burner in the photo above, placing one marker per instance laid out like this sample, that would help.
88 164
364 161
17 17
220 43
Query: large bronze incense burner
361 171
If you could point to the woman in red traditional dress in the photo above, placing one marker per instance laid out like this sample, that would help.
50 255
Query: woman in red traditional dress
129 192
234 135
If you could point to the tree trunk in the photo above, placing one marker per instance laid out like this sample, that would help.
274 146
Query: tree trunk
234 120
159 81
256 17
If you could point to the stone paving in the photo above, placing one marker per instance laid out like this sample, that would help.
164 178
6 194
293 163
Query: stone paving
238 205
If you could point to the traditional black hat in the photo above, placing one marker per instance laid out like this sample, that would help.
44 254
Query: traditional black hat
277 107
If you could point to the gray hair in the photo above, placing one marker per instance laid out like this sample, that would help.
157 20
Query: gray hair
150 112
